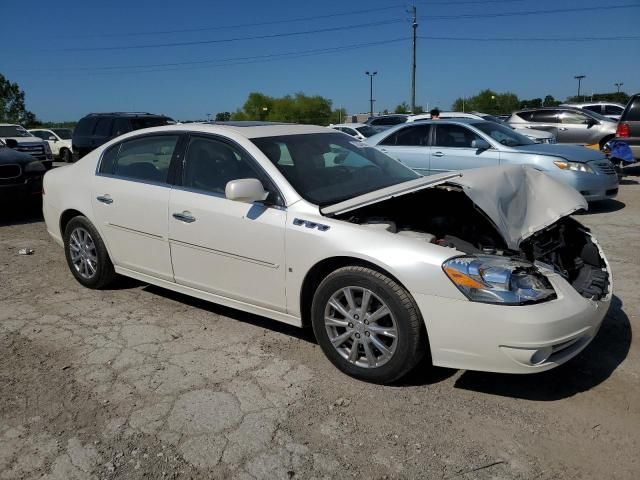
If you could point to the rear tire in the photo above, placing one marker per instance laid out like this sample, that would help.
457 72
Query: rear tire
368 325
65 155
87 255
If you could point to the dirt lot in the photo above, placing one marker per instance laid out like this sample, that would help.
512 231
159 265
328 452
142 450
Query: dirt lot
139 382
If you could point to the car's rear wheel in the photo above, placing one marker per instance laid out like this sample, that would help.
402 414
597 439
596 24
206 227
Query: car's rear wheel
86 254
368 325
65 155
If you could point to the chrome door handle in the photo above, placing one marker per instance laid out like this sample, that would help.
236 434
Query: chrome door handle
106 198
562 129
184 217
438 154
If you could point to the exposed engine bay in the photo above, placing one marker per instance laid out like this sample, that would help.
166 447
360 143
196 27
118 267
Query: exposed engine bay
445 216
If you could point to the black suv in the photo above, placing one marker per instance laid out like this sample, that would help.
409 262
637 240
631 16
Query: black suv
98 128
629 125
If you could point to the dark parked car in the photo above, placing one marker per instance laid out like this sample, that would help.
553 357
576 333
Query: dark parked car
98 128
629 126
20 177
386 121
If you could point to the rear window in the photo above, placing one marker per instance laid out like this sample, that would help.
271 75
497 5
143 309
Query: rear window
632 113
545 116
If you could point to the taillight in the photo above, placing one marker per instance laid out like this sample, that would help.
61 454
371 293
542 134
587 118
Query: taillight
623 130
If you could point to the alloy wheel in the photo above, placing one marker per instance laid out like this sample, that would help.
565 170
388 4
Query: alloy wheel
361 327
84 255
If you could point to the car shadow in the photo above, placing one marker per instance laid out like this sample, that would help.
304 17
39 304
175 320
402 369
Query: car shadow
21 216
305 334
605 206
628 181
590 368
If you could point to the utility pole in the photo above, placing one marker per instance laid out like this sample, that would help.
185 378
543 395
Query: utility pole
371 100
618 85
579 78
413 67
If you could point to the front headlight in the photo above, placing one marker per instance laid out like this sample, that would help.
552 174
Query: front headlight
492 279
573 166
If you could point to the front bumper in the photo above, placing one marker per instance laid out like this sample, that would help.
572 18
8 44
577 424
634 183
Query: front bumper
511 339
28 189
592 186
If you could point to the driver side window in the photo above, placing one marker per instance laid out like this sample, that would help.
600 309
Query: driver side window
210 164
454 136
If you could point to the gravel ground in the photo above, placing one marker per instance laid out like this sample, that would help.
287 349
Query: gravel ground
139 382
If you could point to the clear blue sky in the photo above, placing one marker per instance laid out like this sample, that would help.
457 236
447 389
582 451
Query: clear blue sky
42 46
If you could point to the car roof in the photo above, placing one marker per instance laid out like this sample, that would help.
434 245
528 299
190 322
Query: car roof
125 114
260 129
449 120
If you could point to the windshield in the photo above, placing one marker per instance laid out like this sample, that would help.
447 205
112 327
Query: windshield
327 168
366 130
13 131
63 133
504 135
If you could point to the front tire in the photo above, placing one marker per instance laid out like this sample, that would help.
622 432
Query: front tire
368 325
86 254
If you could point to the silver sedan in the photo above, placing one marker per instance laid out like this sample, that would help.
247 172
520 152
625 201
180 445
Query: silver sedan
436 146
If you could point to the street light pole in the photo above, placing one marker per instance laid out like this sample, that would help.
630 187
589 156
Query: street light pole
579 78
618 85
371 100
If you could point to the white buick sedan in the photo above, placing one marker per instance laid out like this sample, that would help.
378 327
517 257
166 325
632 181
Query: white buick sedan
481 269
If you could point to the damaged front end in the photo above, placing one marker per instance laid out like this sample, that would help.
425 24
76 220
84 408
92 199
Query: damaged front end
512 226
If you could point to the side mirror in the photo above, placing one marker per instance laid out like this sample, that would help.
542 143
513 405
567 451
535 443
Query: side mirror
11 143
480 144
591 122
246 190
52 139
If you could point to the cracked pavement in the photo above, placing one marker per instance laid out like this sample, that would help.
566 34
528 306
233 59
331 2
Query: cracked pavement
139 382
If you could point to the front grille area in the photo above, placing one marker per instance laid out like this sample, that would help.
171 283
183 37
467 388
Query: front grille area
8 172
606 168
35 150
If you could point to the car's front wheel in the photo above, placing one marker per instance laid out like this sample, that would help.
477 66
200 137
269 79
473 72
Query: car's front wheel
368 325
86 254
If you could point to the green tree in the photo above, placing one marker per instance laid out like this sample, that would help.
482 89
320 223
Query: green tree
531 103
418 110
223 116
12 107
298 108
402 108
488 101
549 101
339 115
617 97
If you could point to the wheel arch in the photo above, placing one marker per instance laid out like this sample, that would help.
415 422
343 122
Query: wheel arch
324 267
66 217
605 139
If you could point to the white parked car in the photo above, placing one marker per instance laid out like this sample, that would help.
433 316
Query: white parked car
305 225
18 138
361 131
538 136
59 140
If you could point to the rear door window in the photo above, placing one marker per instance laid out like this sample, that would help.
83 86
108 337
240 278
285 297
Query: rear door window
613 110
573 118
84 127
103 127
146 158
545 116
594 108
121 126
413 136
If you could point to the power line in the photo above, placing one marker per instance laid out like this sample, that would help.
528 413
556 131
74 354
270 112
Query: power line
236 39
531 12
200 64
529 39
288 20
